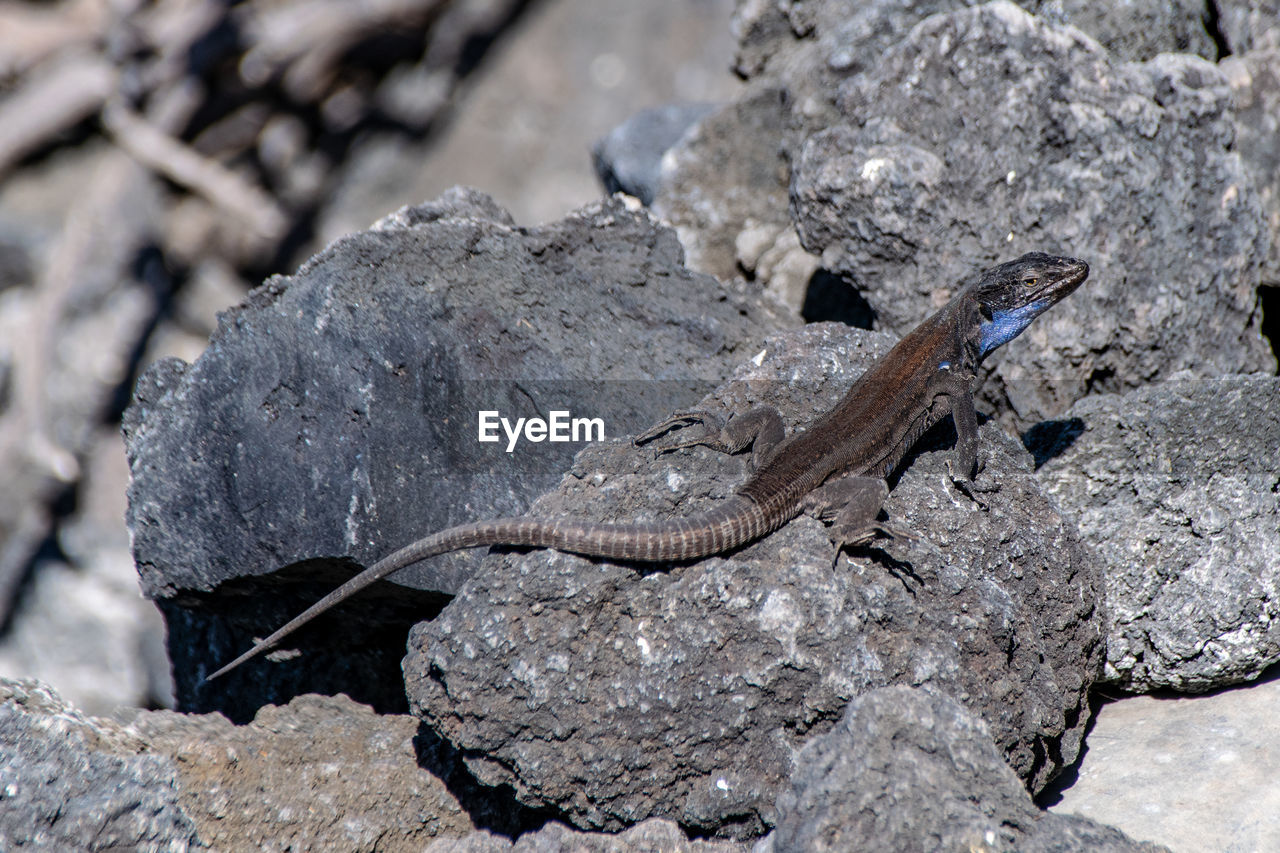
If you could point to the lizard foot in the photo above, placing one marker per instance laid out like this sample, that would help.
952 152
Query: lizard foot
711 427
969 487
843 537
760 429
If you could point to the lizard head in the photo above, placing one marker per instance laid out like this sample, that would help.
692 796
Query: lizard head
1013 294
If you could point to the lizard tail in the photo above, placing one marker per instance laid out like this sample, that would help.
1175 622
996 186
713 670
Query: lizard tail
734 522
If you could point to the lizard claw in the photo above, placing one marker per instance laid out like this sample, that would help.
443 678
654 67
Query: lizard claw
967 487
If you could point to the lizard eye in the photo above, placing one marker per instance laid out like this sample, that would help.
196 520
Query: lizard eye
1030 281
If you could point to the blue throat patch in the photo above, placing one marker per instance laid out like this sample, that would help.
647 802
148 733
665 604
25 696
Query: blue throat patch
1004 326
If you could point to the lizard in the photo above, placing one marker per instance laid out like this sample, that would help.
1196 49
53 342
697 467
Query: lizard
835 469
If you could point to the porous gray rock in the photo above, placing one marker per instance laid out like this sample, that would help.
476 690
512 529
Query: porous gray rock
809 49
724 188
333 418
71 782
650 836
910 769
814 44
1176 488
1255 86
1248 25
614 693
321 773
987 132
923 140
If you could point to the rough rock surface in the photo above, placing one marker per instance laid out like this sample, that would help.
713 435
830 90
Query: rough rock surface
724 188
1255 85
814 45
952 151
320 773
651 836
68 782
615 693
909 769
915 155
1177 489
809 49
322 423
750 147
1249 24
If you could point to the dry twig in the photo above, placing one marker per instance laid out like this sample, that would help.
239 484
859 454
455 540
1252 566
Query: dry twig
165 154
47 104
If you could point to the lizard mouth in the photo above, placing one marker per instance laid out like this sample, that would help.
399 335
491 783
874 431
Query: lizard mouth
1066 279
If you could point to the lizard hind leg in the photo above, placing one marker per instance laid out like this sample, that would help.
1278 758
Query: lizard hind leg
850 505
760 429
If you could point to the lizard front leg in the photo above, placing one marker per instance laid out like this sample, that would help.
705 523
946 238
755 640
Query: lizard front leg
760 429
967 461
